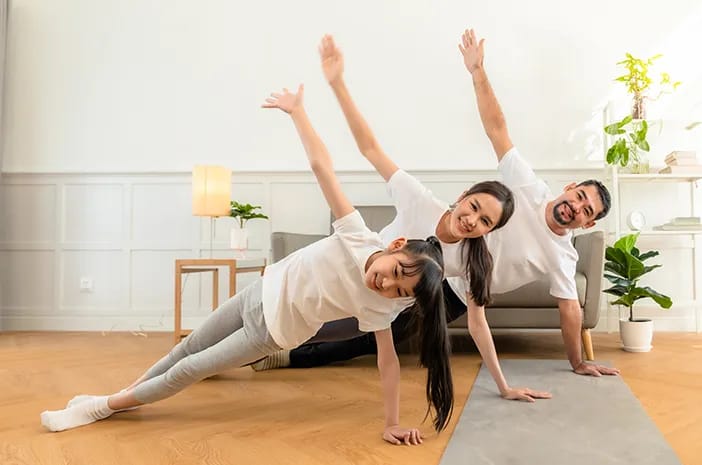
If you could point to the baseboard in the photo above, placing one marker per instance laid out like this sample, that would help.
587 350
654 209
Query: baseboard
90 323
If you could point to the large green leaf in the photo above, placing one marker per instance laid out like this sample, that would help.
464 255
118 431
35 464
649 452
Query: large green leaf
623 264
626 243
626 300
618 280
617 290
648 269
647 255
615 268
646 292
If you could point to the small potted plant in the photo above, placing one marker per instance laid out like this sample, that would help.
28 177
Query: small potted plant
239 237
630 133
624 267
625 150
638 82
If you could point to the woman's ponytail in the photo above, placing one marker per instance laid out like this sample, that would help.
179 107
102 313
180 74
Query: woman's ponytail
478 268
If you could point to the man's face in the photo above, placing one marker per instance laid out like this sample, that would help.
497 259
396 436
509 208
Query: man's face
577 207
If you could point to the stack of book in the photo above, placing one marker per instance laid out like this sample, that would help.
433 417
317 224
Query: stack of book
682 223
682 162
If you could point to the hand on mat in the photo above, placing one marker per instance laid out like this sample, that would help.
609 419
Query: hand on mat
525 394
592 369
472 50
332 59
287 101
399 435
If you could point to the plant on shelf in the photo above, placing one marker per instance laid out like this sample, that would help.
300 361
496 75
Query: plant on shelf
638 82
239 237
245 212
623 268
626 149
630 133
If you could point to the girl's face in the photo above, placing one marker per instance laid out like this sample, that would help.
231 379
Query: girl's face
475 215
385 274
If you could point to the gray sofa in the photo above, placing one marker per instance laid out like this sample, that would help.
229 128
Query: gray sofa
529 307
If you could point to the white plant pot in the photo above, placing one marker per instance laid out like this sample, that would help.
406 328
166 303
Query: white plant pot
636 335
239 239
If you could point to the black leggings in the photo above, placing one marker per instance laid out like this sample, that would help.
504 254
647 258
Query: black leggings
314 354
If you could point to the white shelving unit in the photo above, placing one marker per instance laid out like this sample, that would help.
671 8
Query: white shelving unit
654 178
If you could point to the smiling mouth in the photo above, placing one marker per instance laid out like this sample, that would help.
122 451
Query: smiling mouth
564 213
464 225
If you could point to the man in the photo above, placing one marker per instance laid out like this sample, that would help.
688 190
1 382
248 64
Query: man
541 225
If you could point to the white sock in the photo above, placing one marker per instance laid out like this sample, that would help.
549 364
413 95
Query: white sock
280 359
80 414
80 398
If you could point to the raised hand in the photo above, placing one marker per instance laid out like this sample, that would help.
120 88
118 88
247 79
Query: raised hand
398 435
472 50
287 101
525 394
332 59
591 369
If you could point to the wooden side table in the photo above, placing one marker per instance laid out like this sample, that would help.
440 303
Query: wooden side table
200 265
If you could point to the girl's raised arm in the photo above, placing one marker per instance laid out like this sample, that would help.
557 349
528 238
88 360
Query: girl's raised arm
317 154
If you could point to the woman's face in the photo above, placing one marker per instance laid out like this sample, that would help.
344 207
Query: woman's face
475 215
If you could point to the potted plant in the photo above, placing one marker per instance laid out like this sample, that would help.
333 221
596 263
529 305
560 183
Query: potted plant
630 133
626 149
624 267
638 82
239 236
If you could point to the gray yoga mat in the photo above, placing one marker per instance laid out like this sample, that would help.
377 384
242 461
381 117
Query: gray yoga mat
588 421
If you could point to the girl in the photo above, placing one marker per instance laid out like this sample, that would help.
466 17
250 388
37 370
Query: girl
460 227
348 274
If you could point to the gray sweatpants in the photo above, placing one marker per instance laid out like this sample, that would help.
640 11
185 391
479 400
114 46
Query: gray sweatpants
232 336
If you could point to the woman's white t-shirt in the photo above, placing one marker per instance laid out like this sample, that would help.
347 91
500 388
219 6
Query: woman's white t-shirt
325 282
418 215
525 249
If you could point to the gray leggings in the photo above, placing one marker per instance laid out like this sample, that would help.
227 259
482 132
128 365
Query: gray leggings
232 336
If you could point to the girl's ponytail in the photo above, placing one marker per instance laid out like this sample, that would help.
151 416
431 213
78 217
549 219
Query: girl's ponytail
430 314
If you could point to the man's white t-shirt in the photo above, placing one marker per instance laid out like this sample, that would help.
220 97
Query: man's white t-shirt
418 214
325 282
526 249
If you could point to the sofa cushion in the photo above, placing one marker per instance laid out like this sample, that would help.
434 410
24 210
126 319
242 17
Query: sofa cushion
536 294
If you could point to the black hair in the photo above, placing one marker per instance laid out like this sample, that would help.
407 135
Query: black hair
603 193
429 319
475 252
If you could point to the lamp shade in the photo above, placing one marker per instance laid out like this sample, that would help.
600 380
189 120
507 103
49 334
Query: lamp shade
212 190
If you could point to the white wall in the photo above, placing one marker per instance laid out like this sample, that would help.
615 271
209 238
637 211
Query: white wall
124 231
109 104
158 85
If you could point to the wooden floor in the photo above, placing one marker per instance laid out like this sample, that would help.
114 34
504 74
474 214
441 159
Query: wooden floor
329 415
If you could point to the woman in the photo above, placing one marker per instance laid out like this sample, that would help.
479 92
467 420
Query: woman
460 227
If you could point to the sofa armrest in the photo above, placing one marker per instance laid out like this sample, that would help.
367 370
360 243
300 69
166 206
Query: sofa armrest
285 243
590 249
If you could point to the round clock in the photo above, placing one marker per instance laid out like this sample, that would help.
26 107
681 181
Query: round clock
636 220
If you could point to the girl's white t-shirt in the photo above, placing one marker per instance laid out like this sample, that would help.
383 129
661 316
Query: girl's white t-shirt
418 214
325 282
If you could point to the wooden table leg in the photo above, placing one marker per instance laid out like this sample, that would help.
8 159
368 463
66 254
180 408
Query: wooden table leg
215 289
178 305
232 279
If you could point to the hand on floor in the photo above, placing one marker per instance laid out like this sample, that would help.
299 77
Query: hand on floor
592 369
399 435
525 394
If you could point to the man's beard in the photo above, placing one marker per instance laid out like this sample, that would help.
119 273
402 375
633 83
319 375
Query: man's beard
557 214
